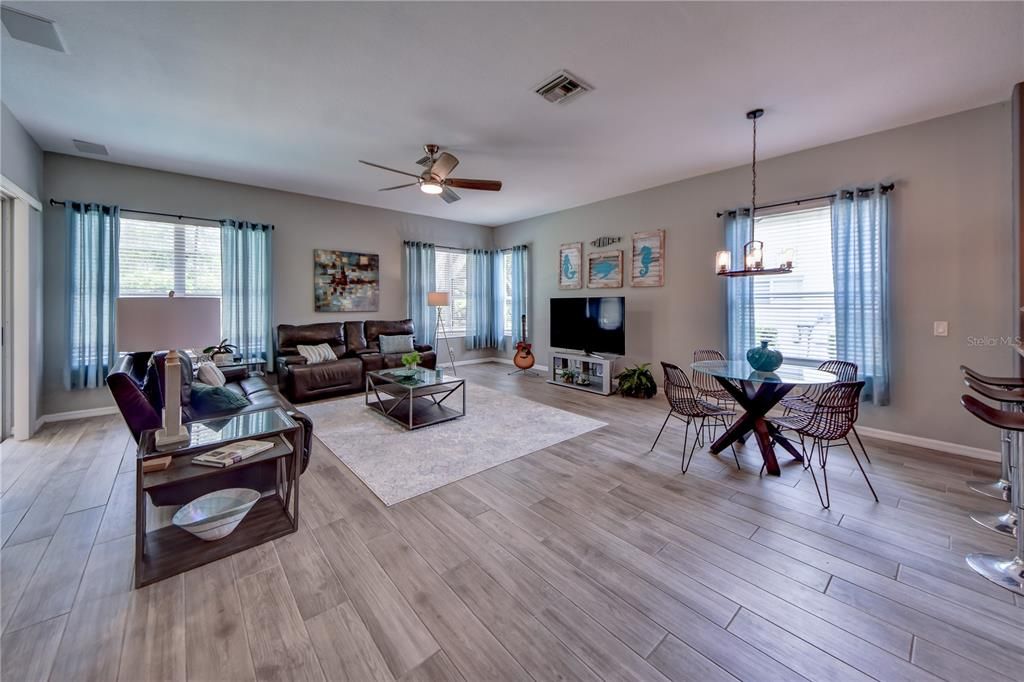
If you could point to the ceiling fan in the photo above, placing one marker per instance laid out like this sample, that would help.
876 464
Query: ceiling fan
435 179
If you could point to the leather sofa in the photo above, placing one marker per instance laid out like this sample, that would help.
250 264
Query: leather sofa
136 382
356 346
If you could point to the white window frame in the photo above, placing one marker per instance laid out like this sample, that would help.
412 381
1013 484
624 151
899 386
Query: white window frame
178 259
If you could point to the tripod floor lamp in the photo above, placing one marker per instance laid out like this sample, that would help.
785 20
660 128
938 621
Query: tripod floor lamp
441 300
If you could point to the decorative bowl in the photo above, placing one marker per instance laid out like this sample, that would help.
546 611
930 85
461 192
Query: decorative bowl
214 515
764 359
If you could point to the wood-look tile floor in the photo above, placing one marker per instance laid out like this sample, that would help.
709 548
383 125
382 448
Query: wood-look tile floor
591 559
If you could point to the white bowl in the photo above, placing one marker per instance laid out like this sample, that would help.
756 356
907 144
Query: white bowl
214 515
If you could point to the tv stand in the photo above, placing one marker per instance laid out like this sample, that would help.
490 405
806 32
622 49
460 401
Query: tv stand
593 371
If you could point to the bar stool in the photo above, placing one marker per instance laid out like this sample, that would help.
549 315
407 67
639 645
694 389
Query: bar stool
999 489
1003 571
1011 401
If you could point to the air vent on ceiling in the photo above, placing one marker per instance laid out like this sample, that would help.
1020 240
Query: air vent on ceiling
561 87
90 147
31 29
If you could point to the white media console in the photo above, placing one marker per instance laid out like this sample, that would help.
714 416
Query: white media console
582 372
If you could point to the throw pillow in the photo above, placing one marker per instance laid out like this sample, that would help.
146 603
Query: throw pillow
208 399
319 353
396 343
210 374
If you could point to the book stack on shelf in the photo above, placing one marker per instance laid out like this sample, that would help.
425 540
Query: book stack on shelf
232 454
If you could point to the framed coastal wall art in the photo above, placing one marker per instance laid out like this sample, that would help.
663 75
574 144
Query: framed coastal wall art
570 263
345 281
604 270
648 262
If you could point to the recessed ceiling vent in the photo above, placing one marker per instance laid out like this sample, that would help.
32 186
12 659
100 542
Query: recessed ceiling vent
90 147
562 87
31 29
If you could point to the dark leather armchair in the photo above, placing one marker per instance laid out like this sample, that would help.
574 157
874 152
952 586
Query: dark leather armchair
136 382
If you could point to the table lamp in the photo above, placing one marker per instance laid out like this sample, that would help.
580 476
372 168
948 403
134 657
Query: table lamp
158 323
441 300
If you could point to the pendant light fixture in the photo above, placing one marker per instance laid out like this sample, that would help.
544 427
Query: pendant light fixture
753 251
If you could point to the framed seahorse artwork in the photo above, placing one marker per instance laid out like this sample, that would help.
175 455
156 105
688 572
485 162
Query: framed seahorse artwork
570 265
648 264
604 270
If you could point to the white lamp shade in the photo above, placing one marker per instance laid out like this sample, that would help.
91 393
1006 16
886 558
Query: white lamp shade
437 299
164 323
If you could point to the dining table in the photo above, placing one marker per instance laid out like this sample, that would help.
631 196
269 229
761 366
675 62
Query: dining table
757 393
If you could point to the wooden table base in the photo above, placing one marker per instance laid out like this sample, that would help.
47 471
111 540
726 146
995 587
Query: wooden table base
757 401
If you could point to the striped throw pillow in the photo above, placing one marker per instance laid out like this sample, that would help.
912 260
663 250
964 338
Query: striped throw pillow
319 353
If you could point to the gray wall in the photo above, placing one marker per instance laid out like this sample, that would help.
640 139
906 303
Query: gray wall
951 257
303 223
21 160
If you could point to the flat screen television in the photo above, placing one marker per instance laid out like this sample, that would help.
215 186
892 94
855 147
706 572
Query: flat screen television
589 324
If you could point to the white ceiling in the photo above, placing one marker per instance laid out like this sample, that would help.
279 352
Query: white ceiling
290 95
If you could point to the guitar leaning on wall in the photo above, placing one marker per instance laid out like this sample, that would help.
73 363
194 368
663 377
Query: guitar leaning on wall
524 358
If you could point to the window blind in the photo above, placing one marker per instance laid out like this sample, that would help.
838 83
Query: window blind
506 277
796 312
155 257
450 268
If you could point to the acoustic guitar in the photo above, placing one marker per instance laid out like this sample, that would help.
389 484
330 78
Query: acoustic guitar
524 357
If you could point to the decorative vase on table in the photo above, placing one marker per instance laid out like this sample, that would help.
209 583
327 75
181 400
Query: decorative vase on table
764 359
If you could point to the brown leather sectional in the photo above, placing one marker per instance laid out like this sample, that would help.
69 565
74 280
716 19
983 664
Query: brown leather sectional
356 347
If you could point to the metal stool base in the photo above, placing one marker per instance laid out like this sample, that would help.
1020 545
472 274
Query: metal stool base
1008 573
997 489
1001 523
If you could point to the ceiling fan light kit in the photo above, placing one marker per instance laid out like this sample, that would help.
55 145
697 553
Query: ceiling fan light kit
435 179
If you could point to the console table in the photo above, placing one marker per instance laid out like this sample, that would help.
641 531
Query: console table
595 372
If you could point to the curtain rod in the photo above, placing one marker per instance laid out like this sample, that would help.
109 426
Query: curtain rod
847 194
54 202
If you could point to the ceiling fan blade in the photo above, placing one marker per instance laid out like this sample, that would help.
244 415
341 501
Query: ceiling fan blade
444 165
393 170
449 196
388 189
464 183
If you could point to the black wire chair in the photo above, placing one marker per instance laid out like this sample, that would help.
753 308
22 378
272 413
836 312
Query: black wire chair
804 402
831 420
685 406
705 384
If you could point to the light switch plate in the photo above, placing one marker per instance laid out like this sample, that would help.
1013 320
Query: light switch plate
940 328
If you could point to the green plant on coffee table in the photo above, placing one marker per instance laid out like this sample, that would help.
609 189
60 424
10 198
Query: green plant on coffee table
637 382
221 348
412 359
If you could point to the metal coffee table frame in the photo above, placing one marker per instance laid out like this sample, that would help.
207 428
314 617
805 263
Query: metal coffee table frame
413 405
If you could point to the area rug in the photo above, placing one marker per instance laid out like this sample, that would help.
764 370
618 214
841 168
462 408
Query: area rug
397 464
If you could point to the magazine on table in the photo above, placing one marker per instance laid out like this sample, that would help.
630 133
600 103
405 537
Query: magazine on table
232 454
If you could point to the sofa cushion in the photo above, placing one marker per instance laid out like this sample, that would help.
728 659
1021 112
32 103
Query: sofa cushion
289 336
318 353
355 339
374 328
210 374
395 343
208 399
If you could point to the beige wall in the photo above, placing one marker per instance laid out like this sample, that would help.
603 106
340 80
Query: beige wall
951 257
303 223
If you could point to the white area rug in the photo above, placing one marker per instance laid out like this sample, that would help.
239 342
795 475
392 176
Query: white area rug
397 464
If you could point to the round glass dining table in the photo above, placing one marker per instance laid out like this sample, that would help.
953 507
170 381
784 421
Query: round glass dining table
757 393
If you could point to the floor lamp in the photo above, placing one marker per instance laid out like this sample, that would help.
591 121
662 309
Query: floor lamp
440 300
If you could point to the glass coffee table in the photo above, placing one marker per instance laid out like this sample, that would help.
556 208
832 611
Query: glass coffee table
414 397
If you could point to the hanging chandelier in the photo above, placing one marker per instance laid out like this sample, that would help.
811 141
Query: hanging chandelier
753 251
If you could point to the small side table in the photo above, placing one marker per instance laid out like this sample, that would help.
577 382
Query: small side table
168 551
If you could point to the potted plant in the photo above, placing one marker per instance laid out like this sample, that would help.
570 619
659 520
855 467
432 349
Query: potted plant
221 354
637 382
412 359
567 375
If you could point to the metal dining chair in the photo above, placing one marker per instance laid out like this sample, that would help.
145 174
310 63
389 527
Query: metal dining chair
687 407
845 371
705 384
831 421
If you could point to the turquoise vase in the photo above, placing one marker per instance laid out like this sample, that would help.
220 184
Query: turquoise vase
764 359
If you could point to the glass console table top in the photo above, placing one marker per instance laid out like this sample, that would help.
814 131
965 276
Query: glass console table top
209 432
740 370
415 377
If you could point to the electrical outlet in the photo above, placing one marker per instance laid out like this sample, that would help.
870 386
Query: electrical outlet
940 328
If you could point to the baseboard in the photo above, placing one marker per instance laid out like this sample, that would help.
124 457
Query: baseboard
76 414
929 444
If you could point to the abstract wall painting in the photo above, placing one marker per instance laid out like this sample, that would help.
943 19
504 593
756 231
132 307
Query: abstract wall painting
344 281
604 270
648 266
570 262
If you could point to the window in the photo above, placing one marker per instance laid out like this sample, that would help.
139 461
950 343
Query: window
796 312
506 278
450 275
155 257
